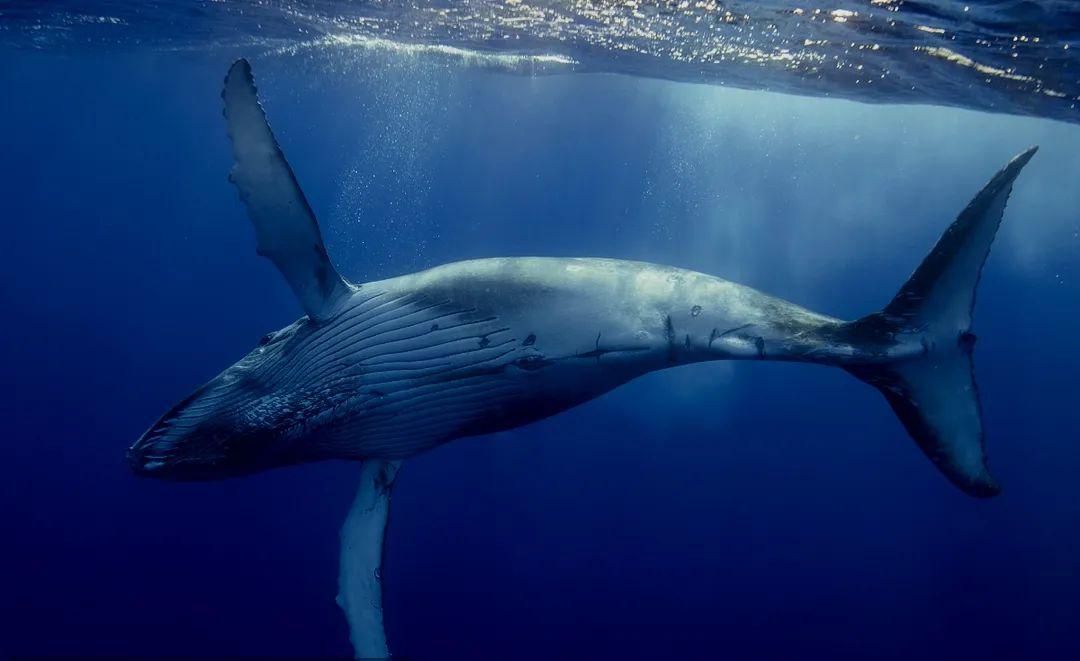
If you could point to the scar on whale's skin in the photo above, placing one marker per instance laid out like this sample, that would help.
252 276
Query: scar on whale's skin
716 334
595 353
669 335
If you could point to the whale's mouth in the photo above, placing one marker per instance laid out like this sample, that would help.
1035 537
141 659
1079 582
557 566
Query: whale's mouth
197 455
155 455
191 441
169 451
155 451
216 432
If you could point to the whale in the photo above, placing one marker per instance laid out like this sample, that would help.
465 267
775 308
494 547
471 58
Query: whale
381 371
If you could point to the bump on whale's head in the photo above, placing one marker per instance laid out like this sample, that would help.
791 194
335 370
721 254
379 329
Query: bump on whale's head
236 424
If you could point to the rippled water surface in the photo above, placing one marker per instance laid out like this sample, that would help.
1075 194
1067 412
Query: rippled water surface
1008 56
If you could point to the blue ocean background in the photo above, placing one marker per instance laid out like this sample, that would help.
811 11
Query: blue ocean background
743 510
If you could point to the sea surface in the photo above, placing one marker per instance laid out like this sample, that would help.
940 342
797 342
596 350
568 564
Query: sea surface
815 152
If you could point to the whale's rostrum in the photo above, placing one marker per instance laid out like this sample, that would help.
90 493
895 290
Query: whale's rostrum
381 371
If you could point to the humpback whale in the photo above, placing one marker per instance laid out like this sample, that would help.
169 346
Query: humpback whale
381 371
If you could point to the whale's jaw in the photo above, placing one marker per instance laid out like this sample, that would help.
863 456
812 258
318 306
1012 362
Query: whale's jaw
194 440
235 424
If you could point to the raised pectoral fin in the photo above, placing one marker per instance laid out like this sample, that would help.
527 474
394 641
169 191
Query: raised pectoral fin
286 230
359 579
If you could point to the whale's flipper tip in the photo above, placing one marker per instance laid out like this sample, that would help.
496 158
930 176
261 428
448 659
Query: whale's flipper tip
238 80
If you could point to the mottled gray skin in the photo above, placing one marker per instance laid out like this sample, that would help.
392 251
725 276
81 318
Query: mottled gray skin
405 364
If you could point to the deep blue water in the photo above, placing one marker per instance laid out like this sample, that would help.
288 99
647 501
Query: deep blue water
749 510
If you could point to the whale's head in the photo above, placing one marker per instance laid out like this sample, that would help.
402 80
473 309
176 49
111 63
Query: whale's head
245 420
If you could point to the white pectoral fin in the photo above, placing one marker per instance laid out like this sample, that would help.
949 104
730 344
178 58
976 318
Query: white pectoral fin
359 580
286 230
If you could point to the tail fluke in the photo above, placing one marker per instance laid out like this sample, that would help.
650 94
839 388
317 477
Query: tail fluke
934 394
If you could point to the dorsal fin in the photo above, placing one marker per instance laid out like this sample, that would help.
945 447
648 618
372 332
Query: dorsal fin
285 227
